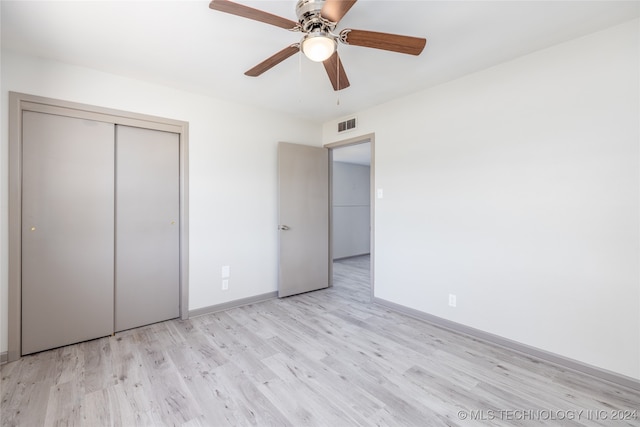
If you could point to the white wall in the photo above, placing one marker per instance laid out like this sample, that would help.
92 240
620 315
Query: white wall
351 209
232 175
517 189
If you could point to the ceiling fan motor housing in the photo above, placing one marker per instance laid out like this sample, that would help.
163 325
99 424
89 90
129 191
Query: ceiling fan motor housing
310 18
307 8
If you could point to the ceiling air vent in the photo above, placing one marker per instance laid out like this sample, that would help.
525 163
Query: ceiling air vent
348 124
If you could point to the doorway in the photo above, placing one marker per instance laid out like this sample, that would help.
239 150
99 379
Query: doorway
351 196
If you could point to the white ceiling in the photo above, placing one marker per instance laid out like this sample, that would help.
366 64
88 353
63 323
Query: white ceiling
186 45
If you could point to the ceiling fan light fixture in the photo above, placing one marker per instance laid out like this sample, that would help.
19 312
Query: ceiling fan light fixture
318 46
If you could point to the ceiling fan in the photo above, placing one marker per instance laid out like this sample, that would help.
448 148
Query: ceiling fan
317 20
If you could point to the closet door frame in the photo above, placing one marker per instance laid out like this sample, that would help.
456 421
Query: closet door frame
20 102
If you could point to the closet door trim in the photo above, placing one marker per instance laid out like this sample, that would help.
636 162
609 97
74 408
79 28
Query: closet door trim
20 102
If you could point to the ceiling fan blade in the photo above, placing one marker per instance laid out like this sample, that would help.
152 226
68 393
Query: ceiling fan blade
392 42
251 13
336 72
334 10
274 60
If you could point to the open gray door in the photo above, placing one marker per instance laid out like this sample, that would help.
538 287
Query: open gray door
303 190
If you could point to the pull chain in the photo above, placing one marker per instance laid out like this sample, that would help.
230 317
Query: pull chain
300 96
338 79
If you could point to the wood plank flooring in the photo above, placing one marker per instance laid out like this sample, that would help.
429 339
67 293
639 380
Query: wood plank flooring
326 358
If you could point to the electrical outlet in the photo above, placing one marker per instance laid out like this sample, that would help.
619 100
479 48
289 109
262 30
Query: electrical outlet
225 271
225 284
452 300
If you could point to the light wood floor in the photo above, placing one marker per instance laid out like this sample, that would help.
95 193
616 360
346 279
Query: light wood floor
327 358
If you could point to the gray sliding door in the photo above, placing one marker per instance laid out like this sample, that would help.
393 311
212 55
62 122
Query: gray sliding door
100 229
67 230
147 230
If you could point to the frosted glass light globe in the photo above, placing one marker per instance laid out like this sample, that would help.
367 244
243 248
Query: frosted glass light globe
318 47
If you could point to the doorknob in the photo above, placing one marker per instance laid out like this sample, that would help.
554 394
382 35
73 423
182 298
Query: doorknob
283 227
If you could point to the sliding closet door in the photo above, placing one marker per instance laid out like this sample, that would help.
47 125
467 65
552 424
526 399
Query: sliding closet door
67 230
147 231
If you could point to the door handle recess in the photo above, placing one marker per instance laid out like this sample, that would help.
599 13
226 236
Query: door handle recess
283 227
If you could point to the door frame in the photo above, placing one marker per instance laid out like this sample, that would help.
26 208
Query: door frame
370 138
19 102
